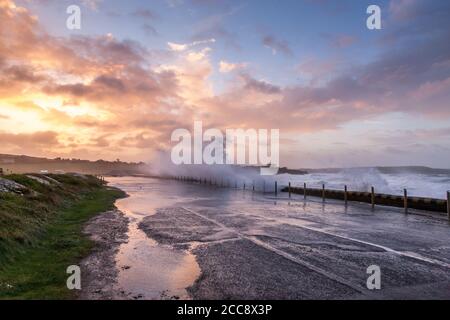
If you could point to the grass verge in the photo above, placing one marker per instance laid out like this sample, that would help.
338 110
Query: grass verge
41 234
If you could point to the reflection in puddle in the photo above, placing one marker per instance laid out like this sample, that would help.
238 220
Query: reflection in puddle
148 270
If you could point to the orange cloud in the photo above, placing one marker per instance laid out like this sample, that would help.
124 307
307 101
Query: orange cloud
99 96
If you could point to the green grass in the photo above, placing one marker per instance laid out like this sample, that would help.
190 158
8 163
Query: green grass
41 234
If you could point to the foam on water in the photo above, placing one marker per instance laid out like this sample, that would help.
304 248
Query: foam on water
362 179
419 181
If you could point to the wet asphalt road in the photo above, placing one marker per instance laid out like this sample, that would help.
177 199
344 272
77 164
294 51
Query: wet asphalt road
258 246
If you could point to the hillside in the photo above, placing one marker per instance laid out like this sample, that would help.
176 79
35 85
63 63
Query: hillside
26 164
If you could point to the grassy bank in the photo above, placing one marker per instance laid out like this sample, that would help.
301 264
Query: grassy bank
41 233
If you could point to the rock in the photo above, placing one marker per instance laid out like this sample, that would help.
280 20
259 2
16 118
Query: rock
38 179
11 186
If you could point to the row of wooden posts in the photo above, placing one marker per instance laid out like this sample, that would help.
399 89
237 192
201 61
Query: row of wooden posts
290 189
372 195
223 183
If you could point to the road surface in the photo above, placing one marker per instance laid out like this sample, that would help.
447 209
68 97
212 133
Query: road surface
202 242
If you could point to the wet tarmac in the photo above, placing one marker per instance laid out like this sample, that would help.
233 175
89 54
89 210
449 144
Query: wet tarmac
202 242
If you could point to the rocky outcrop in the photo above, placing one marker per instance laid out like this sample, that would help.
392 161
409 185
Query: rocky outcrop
11 186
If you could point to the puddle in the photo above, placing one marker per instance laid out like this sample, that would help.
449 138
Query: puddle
148 270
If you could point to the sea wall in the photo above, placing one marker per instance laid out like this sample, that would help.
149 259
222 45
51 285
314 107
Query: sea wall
420 203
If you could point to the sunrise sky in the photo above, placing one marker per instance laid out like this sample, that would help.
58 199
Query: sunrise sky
341 95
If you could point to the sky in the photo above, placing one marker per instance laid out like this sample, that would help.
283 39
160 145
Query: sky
340 94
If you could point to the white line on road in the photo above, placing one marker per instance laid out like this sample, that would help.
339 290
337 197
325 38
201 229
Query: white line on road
284 254
408 254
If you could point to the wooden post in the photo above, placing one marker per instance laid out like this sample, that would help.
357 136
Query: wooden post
244 185
448 205
253 185
276 188
323 192
345 195
290 195
405 200
304 190
372 198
